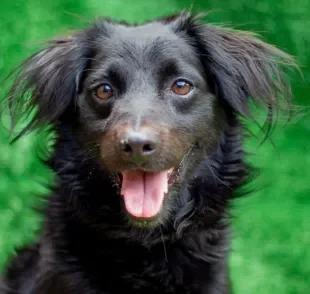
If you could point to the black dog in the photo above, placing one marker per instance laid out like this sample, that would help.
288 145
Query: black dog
148 154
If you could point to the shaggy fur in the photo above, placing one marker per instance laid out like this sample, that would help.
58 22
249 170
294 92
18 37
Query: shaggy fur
89 243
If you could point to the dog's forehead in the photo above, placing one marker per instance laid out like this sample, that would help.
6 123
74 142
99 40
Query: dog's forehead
152 30
148 39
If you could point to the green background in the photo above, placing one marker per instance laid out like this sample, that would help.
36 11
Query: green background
271 246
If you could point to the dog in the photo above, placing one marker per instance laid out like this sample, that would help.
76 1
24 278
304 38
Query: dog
148 153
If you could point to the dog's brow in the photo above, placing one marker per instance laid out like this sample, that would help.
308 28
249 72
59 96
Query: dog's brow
169 69
110 73
116 77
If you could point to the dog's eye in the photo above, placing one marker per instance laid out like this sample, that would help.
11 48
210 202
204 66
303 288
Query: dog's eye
181 87
104 91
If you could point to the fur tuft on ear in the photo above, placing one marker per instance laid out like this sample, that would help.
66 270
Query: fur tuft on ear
243 69
240 67
243 66
46 83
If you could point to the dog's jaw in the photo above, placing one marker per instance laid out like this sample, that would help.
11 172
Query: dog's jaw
146 195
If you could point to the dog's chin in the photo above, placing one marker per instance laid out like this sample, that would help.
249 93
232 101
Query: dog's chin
145 195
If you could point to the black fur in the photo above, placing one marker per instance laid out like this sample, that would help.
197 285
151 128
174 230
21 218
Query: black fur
88 243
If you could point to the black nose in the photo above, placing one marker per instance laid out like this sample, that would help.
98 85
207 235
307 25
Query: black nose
138 147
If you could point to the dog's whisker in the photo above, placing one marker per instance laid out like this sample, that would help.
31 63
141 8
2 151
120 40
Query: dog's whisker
164 245
215 176
72 160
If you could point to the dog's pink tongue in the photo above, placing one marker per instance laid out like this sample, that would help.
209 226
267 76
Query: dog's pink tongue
144 192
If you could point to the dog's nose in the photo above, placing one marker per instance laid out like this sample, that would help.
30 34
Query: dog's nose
137 146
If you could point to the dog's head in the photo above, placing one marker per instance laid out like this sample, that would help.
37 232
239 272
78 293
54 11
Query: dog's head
146 99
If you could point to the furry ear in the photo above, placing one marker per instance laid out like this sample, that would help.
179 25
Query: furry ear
244 67
239 66
47 82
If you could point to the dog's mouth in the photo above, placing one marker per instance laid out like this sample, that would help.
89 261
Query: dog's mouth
144 192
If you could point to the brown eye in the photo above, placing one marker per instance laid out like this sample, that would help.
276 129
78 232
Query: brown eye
104 91
181 87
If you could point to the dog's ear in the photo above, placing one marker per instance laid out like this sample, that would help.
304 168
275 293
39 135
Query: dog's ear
46 83
242 67
238 65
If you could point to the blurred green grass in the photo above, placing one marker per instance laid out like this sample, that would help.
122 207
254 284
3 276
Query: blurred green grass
271 232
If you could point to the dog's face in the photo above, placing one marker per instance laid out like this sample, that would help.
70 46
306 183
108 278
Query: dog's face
145 103
151 100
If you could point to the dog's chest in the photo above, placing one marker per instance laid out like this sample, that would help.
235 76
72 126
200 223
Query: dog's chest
170 273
